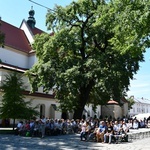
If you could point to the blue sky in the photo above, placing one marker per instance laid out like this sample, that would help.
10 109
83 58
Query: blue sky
140 87
14 11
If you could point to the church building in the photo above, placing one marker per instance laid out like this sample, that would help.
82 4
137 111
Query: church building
17 55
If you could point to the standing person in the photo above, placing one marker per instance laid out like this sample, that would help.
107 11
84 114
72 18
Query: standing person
43 125
83 131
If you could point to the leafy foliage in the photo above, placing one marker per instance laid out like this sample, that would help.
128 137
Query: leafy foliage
13 104
95 51
130 102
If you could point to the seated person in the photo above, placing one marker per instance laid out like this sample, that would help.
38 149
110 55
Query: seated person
52 127
109 133
125 126
20 128
69 128
100 132
36 128
27 128
59 127
92 135
47 127
116 129
120 134
135 124
129 124
142 124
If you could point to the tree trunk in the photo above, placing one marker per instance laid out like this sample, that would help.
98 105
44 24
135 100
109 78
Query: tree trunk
64 115
78 113
80 107
82 101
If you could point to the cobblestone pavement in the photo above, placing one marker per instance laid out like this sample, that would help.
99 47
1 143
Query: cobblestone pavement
66 142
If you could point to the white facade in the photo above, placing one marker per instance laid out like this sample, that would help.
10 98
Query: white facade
89 112
14 57
27 31
141 105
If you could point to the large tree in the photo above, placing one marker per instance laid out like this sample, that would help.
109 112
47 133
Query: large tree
94 52
13 103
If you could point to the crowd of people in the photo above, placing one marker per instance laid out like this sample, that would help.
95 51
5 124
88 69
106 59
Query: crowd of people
45 127
99 130
107 131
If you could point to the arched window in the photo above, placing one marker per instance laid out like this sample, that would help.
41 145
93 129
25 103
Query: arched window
42 110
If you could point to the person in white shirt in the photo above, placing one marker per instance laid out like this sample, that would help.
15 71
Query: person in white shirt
125 127
116 126
20 128
135 124
43 125
83 131
129 124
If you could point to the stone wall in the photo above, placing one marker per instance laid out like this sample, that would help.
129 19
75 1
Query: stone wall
114 111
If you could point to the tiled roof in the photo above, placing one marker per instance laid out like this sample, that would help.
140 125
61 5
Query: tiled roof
36 31
142 100
15 37
38 94
111 102
39 31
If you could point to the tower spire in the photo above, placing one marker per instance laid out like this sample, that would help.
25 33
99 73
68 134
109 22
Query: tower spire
31 20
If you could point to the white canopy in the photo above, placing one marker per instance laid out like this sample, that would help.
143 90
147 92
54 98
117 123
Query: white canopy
141 116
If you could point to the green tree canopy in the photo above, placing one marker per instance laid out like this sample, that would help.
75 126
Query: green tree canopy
131 102
95 51
13 104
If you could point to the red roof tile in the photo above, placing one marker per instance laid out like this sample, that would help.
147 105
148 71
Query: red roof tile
112 102
15 37
39 94
36 31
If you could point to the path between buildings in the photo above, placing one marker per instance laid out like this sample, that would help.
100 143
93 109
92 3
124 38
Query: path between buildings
69 142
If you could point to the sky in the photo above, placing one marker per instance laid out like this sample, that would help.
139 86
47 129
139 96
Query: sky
14 11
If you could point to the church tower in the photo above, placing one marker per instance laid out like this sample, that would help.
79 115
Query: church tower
31 20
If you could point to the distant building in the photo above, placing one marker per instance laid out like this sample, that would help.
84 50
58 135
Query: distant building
141 105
